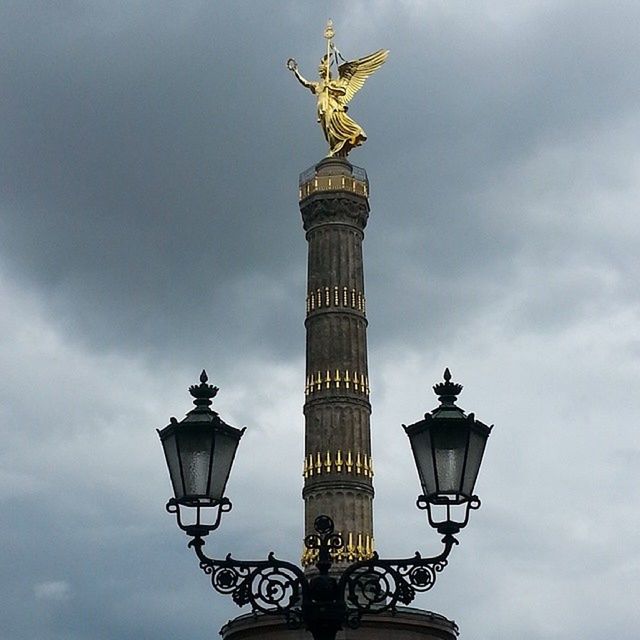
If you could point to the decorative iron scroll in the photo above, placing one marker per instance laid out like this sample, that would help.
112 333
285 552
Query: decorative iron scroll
269 586
278 587
381 585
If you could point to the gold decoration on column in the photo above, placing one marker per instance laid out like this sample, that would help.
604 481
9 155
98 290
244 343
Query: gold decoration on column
357 382
322 298
351 548
328 462
324 183
358 546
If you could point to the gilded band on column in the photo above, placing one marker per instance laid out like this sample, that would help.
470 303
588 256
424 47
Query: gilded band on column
345 380
324 183
318 463
326 297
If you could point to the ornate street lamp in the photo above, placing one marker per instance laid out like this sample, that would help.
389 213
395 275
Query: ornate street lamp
447 445
199 451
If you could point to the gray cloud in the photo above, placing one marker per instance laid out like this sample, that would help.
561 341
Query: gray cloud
126 192
149 227
57 590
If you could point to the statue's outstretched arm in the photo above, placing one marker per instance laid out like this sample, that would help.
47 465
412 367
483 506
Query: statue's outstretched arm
292 65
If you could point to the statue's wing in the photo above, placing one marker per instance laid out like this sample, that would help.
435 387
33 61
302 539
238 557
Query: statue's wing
354 73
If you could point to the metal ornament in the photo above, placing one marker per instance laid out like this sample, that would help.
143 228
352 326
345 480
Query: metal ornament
322 602
327 599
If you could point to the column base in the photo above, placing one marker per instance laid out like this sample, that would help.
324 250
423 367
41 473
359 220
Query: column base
407 624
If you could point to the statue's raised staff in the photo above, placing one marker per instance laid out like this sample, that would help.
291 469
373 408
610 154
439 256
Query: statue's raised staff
341 132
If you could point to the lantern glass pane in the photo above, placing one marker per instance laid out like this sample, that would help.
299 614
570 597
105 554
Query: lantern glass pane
223 454
173 463
422 452
450 445
195 452
477 442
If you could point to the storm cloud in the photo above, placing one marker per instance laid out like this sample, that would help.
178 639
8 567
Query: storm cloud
149 227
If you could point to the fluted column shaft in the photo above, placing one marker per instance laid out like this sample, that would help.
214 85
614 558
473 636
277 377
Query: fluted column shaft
338 467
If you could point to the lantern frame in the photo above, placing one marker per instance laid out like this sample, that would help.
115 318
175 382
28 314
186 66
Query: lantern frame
199 452
448 447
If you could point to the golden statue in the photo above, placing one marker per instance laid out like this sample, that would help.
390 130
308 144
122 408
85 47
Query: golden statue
341 132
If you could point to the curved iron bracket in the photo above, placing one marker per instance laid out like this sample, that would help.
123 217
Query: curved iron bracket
323 603
270 586
377 584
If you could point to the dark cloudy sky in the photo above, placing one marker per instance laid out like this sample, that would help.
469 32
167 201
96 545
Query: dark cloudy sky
149 227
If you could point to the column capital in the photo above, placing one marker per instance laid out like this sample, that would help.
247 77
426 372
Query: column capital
334 207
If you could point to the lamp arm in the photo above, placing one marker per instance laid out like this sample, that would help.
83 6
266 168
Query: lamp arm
270 586
381 584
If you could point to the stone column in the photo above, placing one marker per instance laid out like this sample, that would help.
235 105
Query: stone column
338 468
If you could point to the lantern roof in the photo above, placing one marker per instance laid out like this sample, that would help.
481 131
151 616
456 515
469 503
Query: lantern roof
448 392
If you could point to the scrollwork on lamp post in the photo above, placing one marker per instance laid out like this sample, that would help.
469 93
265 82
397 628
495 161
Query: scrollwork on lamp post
448 446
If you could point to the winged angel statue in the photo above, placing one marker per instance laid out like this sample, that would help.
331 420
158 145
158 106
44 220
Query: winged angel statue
333 95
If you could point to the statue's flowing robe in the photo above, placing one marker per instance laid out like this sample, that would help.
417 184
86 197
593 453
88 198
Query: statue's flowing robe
341 132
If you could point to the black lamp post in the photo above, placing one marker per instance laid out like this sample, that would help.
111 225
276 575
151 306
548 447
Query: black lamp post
447 446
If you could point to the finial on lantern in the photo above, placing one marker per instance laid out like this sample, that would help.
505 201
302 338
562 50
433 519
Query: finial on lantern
447 391
203 392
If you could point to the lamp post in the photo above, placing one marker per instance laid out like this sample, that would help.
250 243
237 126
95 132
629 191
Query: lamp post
447 445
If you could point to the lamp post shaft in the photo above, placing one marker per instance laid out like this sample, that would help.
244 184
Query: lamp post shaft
324 634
